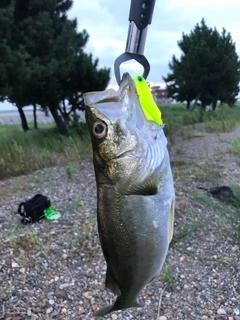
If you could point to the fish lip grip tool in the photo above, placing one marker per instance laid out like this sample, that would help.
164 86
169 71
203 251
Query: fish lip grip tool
140 17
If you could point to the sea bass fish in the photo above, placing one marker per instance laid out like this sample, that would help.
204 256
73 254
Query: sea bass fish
135 191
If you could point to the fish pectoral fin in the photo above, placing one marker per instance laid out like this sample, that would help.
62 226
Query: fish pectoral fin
111 282
149 187
171 221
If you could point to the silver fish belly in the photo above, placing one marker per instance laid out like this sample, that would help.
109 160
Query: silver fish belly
134 189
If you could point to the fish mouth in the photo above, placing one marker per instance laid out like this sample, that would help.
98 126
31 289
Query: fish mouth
126 79
124 154
110 103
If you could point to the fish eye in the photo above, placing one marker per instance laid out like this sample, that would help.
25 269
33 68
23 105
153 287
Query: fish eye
99 129
140 78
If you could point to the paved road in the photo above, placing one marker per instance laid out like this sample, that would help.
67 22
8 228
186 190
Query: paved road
12 117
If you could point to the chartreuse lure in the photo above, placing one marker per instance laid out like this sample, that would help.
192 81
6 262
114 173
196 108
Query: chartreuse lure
149 107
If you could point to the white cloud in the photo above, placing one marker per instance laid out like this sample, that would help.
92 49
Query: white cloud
203 3
109 44
106 21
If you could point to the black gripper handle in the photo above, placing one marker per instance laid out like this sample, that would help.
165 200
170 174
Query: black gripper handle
141 12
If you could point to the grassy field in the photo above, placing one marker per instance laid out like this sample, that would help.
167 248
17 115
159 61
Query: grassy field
177 119
23 153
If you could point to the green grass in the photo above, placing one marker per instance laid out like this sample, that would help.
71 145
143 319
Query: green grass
24 152
234 148
187 232
167 276
6 128
177 119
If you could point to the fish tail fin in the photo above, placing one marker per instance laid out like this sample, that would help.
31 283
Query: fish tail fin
118 305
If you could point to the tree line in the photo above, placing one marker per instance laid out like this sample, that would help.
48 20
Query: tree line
42 59
208 70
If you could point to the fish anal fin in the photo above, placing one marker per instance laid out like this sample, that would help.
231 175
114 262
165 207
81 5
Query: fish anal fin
121 304
171 221
136 304
103 311
118 305
111 282
152 279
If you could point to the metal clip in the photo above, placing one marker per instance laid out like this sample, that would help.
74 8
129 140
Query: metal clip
134 50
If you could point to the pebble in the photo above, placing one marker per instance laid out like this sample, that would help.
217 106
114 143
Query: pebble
82 310
221 311
237 312
49 310
114 316
51 301
15 265
88 294
65 285
94 307
162 318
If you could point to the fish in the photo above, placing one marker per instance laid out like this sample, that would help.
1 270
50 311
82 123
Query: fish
135 189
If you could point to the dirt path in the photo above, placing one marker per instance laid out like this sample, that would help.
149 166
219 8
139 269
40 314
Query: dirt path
199 147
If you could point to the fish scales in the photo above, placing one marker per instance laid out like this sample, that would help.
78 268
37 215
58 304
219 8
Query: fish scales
135 192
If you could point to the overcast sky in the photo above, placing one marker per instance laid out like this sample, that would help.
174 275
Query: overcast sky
106 22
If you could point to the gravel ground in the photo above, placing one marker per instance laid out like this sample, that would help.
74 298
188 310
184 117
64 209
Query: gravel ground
55 270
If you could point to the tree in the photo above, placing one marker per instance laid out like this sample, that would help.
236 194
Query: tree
42 54
208 69
86 76
12 62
